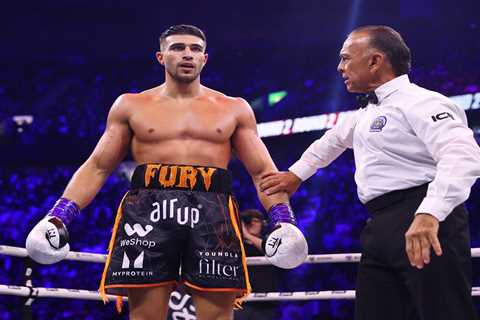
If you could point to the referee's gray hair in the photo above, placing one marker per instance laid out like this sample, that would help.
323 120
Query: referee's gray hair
390 42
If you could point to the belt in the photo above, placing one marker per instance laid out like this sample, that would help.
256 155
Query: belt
395 196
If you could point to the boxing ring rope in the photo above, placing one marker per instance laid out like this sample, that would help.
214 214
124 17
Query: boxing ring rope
34 292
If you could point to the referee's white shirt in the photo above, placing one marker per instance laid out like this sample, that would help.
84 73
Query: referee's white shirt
411 137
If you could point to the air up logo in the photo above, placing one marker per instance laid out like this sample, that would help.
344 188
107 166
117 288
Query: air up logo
137 264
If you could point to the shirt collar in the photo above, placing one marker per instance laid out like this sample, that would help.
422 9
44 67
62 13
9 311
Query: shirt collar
391 86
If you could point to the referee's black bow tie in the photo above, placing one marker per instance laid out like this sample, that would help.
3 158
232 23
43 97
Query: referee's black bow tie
365 99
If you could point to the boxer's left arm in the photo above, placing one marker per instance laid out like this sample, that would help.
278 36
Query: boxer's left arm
251 151
254 155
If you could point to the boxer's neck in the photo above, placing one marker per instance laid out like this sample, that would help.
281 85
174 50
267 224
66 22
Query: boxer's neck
179 90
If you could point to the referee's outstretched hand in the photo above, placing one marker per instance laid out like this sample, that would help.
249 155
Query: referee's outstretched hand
420 238
273 182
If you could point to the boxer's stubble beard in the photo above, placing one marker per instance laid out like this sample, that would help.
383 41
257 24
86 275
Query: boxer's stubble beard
186 79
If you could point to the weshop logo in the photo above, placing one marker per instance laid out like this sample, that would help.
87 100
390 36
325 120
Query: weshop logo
137 229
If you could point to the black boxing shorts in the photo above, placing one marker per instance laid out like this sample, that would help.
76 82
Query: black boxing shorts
177 223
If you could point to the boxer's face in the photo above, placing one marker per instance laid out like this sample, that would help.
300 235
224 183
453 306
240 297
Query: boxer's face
183 56
355 65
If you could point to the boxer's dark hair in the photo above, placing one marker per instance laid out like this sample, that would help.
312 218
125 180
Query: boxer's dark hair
390 42
183 29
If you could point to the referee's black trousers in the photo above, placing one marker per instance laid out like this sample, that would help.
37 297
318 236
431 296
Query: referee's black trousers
389 288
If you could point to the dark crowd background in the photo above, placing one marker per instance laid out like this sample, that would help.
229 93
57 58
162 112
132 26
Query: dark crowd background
64 63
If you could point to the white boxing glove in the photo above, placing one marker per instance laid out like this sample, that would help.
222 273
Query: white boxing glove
285 246
47 243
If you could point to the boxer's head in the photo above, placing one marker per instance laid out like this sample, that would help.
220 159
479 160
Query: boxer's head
182 52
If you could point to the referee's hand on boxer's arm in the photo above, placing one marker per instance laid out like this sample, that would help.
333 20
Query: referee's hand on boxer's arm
273 182
420 237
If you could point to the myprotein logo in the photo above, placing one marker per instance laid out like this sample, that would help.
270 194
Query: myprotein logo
169 210
132 273
137 229
137 263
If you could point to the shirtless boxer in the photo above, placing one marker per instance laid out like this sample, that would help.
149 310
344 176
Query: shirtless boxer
179 213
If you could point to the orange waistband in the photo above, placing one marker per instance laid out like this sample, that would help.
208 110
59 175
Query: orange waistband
182 177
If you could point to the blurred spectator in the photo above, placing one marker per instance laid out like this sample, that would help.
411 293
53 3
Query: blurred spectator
262 278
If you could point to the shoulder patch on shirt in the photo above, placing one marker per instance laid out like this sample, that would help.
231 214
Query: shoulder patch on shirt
442 115
378 124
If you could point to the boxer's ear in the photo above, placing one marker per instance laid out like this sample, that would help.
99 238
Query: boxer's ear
159 57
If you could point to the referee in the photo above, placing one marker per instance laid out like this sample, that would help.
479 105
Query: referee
416 160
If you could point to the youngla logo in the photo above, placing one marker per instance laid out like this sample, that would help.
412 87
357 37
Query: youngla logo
137 264
227 254
138 229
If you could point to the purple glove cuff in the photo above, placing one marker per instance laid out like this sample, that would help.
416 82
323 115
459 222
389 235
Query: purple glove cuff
64 209
281 212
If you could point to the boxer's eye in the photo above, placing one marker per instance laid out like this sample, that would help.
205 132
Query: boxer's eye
177 47
196 48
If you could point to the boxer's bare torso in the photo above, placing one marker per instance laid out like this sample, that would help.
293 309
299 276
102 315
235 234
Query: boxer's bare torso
156 126
196 130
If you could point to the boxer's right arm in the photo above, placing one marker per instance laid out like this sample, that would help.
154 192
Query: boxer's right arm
48 241
110 150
